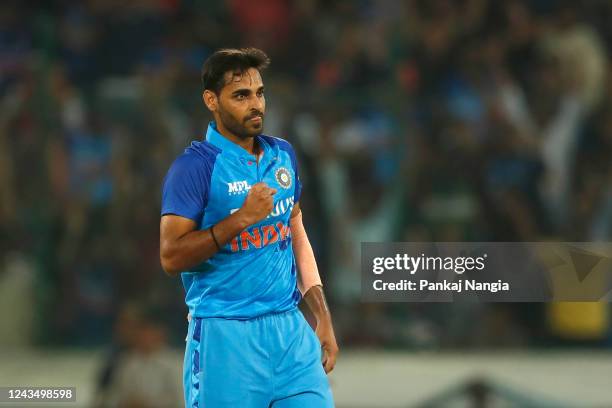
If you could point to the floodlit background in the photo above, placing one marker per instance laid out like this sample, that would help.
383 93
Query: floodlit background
431 120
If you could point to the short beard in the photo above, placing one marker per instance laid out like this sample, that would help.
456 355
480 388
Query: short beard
235 126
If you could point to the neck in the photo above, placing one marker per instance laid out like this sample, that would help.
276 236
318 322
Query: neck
247 143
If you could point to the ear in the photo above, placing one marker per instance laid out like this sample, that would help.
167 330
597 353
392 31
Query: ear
210 100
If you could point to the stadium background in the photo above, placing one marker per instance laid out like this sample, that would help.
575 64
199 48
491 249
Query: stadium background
441 120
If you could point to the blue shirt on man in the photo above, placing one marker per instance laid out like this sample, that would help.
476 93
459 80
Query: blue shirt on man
255 273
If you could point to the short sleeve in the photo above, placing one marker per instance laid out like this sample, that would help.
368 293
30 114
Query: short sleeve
298 183
186 187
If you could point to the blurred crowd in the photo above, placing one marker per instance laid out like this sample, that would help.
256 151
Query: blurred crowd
414 120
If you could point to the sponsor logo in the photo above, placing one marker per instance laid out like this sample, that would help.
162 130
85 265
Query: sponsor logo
283 177
280 207
238 187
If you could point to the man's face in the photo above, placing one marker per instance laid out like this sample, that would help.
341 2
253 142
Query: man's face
242 104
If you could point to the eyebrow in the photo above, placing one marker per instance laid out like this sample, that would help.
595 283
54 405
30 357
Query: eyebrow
245 91
241 91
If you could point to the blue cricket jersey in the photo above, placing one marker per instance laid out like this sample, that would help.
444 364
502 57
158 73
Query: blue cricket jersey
255 273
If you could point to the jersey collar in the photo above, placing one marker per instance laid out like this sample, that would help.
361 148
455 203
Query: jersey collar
217 139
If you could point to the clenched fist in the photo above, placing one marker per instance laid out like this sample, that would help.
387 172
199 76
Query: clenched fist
258 203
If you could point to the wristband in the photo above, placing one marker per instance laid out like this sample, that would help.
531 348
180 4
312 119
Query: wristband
215 238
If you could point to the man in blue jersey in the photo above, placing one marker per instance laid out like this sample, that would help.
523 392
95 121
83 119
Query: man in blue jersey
231 226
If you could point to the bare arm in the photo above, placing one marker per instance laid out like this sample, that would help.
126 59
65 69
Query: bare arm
182 247
315 299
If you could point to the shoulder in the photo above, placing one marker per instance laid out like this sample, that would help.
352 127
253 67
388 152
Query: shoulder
203 151
198 156
281 143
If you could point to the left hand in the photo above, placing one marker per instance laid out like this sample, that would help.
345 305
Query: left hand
325 333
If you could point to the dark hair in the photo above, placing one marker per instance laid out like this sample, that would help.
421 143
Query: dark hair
230 59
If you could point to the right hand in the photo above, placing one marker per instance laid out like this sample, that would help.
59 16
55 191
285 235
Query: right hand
258 203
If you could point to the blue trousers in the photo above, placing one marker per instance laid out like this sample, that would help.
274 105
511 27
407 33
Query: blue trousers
272 361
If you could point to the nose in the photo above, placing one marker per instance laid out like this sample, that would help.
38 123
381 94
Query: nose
257 104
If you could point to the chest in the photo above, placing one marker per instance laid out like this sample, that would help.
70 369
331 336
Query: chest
233 177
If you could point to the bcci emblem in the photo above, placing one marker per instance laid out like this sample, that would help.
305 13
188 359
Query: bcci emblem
283 177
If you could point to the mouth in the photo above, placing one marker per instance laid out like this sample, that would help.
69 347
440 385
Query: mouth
256 120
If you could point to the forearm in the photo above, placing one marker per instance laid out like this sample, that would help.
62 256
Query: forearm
309 281
308 273
315 299
195 247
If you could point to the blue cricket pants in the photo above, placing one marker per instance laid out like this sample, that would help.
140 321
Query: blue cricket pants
272 361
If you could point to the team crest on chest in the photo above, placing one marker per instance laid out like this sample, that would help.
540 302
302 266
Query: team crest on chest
283 177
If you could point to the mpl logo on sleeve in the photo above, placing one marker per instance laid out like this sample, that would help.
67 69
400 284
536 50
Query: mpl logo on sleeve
238 187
